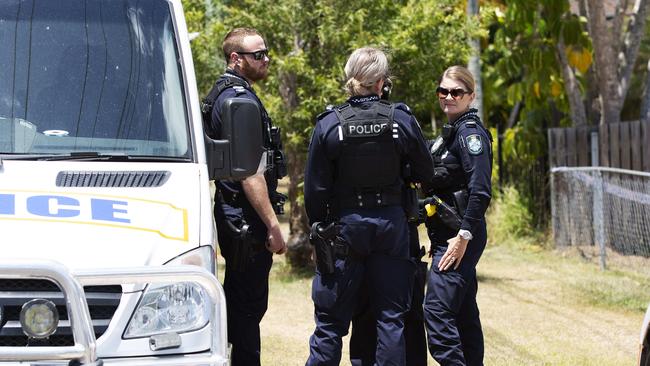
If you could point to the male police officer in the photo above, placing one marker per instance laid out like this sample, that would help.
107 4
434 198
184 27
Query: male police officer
354 177
249 231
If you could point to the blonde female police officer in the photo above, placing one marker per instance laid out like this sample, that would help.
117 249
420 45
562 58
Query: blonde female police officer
354 177
463 168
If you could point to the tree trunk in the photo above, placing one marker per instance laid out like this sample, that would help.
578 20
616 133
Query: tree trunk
645 100
611 98
591 98
434 122
514 114
299 250
572 87
631 44
474 64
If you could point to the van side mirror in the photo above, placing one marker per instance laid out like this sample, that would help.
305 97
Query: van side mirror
239 152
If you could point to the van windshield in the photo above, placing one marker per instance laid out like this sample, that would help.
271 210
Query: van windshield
91 76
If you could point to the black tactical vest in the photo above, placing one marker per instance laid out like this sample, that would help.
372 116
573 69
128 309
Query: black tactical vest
368 167
224 82
454 180
276 167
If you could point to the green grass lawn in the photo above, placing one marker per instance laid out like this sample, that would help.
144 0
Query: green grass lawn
538 307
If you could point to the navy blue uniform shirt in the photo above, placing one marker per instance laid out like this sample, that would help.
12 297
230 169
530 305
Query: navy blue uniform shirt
474 147
325 143
470 150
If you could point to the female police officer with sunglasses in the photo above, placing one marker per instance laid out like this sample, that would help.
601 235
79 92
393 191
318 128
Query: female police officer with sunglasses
463 167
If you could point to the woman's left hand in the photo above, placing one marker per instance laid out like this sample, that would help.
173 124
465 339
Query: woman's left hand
454 254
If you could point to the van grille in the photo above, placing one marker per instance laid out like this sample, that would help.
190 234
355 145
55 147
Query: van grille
124 179
102 303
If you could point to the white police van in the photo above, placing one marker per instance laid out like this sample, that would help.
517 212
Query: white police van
644 341
107 235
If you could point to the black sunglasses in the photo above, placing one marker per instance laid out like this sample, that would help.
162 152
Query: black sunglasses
257 55
455 93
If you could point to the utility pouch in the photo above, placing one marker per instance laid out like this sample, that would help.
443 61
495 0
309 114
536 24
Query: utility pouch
411 203
242 246
323 239
460 199
276 157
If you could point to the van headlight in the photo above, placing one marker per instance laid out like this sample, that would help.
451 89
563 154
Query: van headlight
179 307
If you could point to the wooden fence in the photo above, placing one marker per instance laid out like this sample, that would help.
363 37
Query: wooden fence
624 145
602 208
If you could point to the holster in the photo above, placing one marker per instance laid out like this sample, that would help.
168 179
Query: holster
244 245
446 213
460 199
277 202
327 247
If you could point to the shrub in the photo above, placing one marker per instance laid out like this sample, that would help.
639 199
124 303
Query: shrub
509 218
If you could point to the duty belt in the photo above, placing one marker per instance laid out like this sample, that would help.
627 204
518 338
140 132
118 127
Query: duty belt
371 200
229 198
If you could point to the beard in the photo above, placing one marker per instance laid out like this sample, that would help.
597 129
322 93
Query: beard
252 72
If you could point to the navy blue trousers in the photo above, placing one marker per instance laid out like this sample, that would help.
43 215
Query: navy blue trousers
454 332
247 295
363 340
382 265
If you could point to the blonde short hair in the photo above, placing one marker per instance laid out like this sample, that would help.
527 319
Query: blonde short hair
365 67
461 75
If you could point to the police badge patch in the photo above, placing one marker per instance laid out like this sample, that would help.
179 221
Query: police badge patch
474 144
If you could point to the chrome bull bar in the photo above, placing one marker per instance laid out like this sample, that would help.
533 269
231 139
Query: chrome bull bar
71 284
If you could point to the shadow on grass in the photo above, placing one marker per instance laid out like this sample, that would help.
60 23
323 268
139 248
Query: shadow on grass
486 278
284 272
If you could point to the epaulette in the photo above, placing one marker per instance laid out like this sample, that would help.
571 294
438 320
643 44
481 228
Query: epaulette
322 115
239 90
469 119
403 107
472 120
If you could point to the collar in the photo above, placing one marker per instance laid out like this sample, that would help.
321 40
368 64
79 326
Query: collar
363 99
471 113
234 73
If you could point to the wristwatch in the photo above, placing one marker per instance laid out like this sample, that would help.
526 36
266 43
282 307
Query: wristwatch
465 234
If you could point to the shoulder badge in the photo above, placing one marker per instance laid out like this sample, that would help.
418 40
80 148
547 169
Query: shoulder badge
474 144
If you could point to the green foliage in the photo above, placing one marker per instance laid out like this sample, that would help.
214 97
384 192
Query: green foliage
202 17
425 39
509 218
311 40
521 68
524 143
521 58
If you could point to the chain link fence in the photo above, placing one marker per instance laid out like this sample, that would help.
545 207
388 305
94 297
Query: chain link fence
603 212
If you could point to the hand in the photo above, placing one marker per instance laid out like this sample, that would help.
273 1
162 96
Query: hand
454 254
275 242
